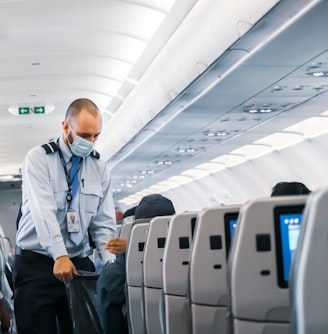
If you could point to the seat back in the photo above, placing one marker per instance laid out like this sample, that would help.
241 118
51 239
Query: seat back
3 252
257 283
153 277
208 268
309 273
134 275
125 229
176 273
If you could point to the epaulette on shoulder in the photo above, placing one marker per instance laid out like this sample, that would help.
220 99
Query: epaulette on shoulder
50 147
95 154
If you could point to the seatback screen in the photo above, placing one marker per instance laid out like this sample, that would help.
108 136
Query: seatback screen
287 222
193 225
230 223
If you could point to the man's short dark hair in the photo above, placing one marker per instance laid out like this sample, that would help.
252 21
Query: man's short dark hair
77 105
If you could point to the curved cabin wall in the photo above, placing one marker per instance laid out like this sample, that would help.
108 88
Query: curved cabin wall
304 162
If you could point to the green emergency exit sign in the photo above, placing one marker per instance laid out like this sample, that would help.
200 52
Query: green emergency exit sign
39 110
23 110
29 110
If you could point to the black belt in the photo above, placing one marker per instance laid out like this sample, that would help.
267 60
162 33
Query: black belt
19 251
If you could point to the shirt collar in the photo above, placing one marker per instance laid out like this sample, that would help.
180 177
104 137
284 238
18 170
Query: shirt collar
67 154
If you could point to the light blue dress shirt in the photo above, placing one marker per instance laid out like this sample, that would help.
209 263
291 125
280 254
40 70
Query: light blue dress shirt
43 227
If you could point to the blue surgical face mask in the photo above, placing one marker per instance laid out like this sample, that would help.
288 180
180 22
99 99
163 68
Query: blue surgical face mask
81 147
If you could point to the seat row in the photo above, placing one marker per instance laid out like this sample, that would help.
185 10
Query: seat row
227 269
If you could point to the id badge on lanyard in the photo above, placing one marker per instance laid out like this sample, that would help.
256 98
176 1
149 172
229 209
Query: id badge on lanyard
73 221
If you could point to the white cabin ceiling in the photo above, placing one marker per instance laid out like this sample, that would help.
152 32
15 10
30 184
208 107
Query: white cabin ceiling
52 52
145 64
275 76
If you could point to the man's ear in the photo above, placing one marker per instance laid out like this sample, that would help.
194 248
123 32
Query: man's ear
65 126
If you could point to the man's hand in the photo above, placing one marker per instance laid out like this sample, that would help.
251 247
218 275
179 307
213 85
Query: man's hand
117 245
64 269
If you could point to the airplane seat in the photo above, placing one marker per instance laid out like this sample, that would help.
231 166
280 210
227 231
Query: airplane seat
134 275
258 264
153 277
309 272
208 269
4 252
126 229
3 256
176 262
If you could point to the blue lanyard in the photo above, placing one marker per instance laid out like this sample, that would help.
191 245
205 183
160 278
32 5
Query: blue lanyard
69 195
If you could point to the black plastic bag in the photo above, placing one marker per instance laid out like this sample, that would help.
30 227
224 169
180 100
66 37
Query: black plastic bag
81 294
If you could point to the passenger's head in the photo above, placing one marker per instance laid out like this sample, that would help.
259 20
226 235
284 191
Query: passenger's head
118 216
153 206
289 189
82 126
129 212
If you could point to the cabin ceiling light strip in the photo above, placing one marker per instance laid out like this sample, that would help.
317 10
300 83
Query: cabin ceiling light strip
211 167
281 140
230 159
157 188
195 173
312 127
252 151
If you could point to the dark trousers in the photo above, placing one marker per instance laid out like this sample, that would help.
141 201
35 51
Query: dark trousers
40 299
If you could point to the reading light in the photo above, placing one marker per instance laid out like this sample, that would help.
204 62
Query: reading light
216 133
258 110
318 73
186 150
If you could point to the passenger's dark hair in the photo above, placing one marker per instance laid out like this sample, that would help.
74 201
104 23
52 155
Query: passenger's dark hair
289 189
154 205
129 212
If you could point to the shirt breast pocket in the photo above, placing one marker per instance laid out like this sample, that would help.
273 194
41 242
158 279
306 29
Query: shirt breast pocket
92 194
60 190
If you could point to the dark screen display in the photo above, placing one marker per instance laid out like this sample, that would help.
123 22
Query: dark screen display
193 225
287 226
230 223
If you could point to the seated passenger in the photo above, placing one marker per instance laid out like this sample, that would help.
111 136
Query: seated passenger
289 189
119 216
121 241
112 280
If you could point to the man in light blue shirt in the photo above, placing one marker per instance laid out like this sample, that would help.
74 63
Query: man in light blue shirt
59 212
